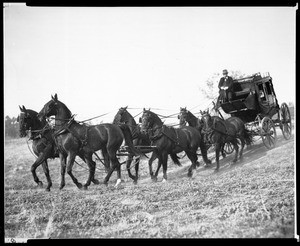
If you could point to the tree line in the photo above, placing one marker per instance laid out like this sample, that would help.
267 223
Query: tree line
11 127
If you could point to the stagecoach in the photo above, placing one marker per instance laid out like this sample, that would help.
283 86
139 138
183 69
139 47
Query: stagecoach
254 101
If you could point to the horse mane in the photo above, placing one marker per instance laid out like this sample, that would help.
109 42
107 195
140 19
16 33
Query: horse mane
156 118
129 116
31 112
68 111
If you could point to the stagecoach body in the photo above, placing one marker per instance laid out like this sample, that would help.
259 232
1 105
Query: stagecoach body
254 101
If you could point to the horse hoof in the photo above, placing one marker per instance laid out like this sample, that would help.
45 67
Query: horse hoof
154 178
216 169
135 182
79 185
85 187
47 189
190 174
40 184
61 187
234 161
198 164
118 183
96 181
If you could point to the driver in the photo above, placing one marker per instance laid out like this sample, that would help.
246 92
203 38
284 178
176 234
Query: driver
225 87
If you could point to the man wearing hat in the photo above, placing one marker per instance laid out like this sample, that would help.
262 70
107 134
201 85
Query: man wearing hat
225 87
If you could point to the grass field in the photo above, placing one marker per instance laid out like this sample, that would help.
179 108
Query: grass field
253 198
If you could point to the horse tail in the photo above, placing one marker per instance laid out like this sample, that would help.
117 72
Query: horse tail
128 139
175 159
248 137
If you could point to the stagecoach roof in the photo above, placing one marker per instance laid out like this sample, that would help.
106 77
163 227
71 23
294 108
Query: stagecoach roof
256 78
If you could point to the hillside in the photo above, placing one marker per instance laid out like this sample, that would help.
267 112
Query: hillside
253 198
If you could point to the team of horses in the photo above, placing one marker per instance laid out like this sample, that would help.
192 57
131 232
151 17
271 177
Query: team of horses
69 138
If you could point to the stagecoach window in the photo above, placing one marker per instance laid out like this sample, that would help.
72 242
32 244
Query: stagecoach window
261 91
268 88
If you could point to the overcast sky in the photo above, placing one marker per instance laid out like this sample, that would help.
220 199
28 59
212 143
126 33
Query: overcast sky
99 59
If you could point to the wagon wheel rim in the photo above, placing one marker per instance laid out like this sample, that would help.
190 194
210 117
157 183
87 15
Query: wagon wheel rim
286 123
228 148
268 133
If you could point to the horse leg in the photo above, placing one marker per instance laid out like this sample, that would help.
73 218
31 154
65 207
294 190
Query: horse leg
154 177
222 150
217 147
165 166
203 149
46 171
236 148
62 170
152 158
128 164
95 181
136 167
33 168
106 159
92 166
115 163
242 148
41 159
118 167
70 163
193 158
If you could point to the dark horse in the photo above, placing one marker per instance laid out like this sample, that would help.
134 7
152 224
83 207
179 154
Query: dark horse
139 139
43 144
218 131
186 116
72 137
170 140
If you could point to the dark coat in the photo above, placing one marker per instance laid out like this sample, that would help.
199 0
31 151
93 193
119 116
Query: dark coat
228 82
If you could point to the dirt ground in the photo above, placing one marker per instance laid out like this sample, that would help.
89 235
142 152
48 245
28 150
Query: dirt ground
253 198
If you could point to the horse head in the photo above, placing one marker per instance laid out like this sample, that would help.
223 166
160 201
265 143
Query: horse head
149 120
28 120
206 119
183 116
56 108
49 109
120 117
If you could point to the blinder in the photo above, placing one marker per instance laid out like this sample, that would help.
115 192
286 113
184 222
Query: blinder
140 120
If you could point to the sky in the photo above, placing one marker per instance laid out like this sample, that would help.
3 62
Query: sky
100 59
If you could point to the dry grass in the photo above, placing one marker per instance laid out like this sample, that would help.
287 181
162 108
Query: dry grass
254 198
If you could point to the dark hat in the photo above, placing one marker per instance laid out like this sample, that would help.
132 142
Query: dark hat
225 71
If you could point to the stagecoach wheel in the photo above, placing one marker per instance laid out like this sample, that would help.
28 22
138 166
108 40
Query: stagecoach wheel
286 122
268 133
228 148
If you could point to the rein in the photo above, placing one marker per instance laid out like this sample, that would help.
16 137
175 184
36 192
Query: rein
30 149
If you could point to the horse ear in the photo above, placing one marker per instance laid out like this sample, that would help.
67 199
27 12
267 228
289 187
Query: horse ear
201 111
55 97
144 109
18 118
185 107
126 107
24 109
20 108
